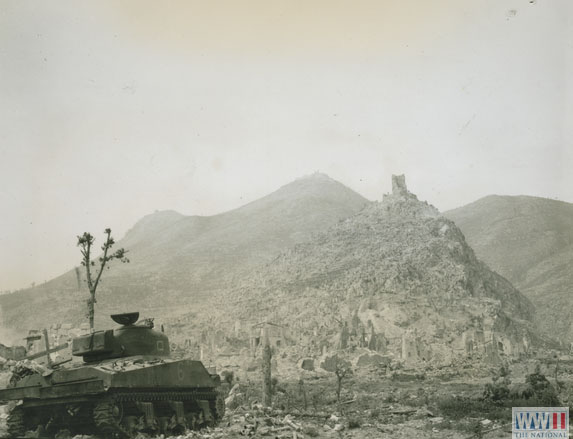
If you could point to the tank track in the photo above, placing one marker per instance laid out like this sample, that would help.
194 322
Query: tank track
15 422
125 414
122 414
106 420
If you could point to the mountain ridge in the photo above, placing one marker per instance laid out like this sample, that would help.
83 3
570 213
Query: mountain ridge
393 267
529 240
181 257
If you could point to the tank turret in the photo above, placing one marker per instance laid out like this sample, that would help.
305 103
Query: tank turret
129 340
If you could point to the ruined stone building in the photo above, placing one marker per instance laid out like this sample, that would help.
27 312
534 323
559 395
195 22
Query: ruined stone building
276 334
12 352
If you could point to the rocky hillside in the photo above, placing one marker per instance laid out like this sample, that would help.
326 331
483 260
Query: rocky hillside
528 240
179 260
400 270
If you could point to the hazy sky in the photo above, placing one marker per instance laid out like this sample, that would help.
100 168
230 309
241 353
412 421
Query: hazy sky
110 110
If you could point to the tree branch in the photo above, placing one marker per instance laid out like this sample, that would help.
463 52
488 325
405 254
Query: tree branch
85 243
104 259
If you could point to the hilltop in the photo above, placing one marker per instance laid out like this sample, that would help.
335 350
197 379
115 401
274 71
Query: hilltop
313 256
178 261
397 269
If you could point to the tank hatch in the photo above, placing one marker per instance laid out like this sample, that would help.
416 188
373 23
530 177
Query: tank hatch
128 318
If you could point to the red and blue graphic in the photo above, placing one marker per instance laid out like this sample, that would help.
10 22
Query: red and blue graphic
540 422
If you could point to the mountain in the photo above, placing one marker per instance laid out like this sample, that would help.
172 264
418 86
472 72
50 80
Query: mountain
399 269
178 260
529 240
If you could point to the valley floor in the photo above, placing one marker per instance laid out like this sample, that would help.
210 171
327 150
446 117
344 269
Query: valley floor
372 406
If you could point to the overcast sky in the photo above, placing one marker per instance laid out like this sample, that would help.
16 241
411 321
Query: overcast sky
110 110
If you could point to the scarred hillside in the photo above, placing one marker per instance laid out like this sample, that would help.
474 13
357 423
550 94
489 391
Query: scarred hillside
178 261
529 240
400 268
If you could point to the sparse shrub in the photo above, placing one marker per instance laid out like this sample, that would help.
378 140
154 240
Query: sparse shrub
537 391
289 395
342 370
390 398
463 408
310 430
228 377
496 392
478 430
498 398
317 400
498 389
536 379
274 385
354 422
543 391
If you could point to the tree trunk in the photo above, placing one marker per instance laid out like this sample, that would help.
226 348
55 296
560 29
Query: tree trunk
266 367
91 310
303 392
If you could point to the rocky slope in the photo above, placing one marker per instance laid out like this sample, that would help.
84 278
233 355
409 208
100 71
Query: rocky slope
528 240
179 260
397 269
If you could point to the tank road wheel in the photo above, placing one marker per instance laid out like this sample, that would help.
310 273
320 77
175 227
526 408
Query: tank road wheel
148 420
15 422
208 417
194 419
177 422
107 418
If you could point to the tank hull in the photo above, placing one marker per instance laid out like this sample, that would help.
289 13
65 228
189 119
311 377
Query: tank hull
117 398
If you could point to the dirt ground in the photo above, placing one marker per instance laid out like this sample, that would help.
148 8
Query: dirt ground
368 409
371 405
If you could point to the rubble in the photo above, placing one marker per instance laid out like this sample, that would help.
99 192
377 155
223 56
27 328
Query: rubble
373 359
262 421
306 364
338 427
235 397
334 418
387 316
328 362
21 369
374 410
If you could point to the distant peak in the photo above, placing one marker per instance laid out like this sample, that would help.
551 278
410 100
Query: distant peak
168 212
316 176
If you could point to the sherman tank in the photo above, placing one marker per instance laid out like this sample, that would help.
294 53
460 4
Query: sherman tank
126 384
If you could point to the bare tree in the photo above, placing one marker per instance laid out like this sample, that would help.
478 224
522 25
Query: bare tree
85 242
342 369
